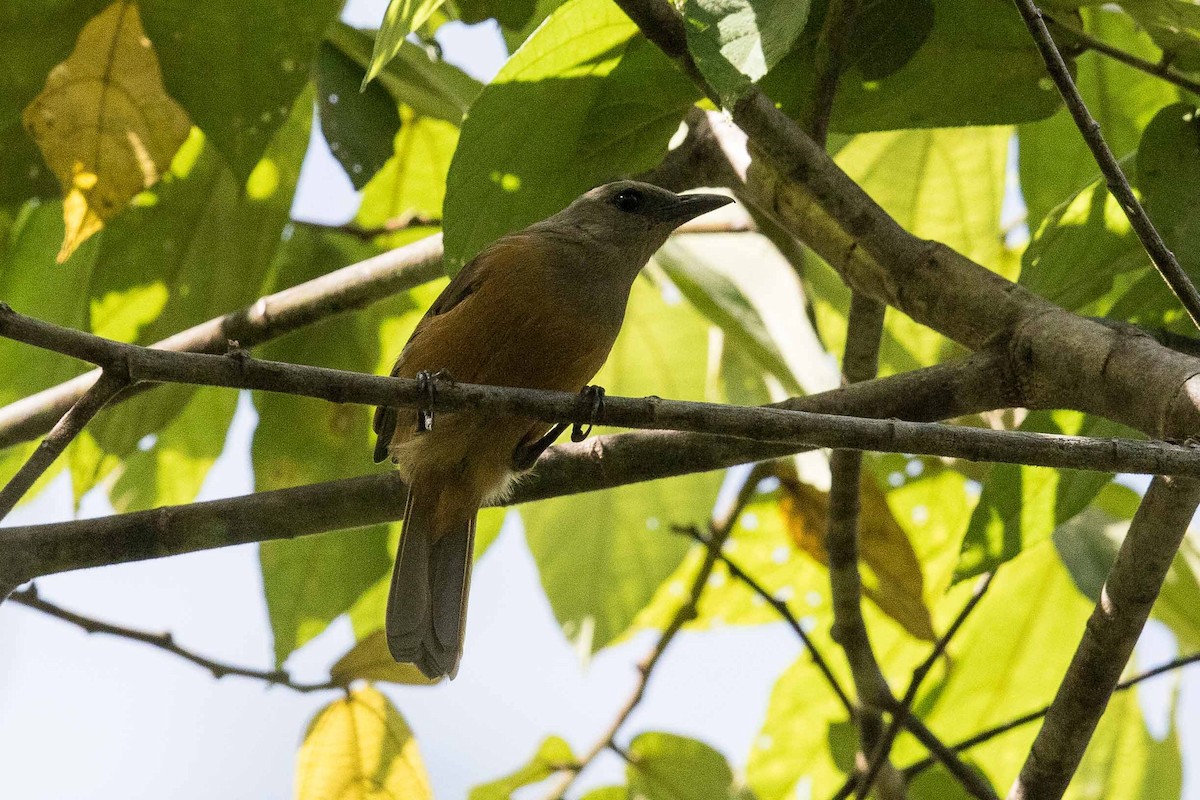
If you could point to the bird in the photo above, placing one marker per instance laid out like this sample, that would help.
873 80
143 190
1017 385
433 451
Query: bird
538 309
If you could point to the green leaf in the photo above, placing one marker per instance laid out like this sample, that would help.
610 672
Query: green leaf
1055 161
946 185
670 767
310 581
401 18
1021 506
512 14
735 42
978 66
1125 761
238 67
1175 27
432 88
413 181
1007 659
358 748
358 125
721 300
602 555
550 757
886 34
617 101
204 239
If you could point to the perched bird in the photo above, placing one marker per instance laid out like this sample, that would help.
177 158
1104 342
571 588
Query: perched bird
538 309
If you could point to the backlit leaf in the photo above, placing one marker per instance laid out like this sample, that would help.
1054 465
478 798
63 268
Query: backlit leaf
370 660
670 767
360 748
553 754
401 18
104 122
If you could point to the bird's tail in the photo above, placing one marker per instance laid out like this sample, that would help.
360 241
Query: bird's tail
427 604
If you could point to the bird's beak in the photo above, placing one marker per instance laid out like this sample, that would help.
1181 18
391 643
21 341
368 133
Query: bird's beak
690 206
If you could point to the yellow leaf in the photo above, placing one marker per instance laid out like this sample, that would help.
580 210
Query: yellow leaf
894 580
370 660
104 122
360 748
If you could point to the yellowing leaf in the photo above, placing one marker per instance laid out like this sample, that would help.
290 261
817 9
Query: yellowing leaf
894 581
104 122
360 748
370 660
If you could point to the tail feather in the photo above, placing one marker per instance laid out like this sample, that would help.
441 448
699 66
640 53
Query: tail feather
427 605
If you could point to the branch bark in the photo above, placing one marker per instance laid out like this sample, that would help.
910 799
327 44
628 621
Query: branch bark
969 386
1125 601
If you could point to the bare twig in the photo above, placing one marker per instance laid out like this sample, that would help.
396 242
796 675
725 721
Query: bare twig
762 424
721 526
1125 601
902 714
780 608
916 768
1160 69
164 641
61 435
1164 260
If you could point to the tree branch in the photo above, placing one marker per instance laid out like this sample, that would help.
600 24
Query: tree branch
342 290
1164 260
61 435
721 527
968 386
166 642
1161 69
840 18
1125 602
916 768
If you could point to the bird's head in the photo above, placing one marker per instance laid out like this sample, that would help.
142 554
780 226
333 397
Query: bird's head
629 220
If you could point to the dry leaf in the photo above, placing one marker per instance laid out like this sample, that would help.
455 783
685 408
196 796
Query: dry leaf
370 660
104 122
896 583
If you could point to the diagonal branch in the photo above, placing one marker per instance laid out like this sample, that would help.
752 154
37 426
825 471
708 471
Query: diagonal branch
1164 260
163 641
61 435
1161 69
916 768
1133 585
721 527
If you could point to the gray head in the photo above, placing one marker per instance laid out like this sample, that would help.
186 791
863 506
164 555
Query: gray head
628 220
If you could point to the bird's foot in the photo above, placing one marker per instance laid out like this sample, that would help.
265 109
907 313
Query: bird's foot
594 397
427 385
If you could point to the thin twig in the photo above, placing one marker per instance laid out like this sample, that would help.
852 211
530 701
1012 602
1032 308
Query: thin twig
1160 69
840 17
917 767
780 608
1133 584
721 526
904 712
61 435
1164 260
164 641
762 424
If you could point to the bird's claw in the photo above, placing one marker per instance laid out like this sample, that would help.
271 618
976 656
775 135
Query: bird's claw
594 396
427 385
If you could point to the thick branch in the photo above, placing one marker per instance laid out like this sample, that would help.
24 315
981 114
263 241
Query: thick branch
166 642
949 390
1164 260
272 316
1125 601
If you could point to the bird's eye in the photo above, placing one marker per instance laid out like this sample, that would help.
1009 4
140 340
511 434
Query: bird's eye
628 200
